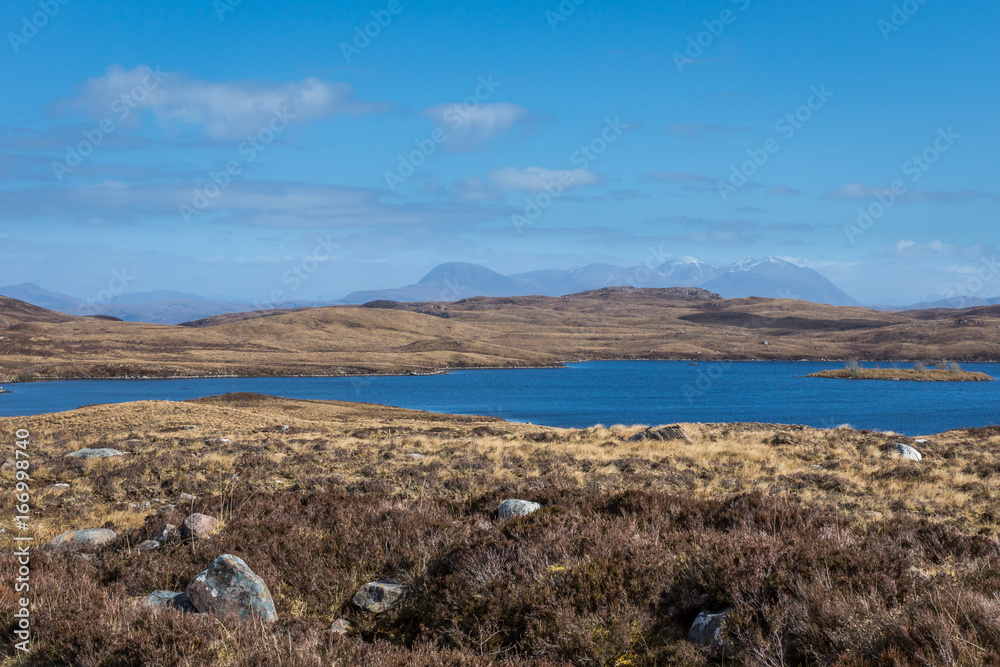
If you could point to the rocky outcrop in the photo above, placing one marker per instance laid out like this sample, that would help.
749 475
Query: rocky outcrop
102 453
662 433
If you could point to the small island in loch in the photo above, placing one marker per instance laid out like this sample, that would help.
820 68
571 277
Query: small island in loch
919 373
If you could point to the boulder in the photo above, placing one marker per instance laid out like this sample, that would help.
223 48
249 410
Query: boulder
76 541
708 630
94 453
230 590
513 507
198 527
161 600
908 452
379 596
662 433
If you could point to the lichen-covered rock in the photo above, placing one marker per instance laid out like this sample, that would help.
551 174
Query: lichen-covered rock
709 630
514 507
161 600
379 596
663 433
908 452
198 527
76 541
229 589
102 453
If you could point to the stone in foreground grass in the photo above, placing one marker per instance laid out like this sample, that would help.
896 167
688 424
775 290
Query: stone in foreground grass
229 589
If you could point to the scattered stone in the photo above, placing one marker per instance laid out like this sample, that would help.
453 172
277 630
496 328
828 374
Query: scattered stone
161 600
81 540
379 596
708 630
168 533
230 590
189 428
8 465
414 456
198 527
133 443
513 507
166 508
917 572
284 429
340 627
663 433
782 438
908 452
218 441
148 546
94 453
188 497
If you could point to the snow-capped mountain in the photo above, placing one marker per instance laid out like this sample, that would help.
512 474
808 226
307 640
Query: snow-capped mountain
769 277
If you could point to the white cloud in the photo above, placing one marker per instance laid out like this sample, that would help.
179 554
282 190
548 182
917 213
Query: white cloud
470 127
222 110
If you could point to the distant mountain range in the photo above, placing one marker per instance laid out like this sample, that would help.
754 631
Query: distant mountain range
158 307
769 277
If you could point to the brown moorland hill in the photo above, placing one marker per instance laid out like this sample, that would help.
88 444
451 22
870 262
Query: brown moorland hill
827 546
388 337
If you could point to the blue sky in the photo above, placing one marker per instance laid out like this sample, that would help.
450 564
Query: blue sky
211 147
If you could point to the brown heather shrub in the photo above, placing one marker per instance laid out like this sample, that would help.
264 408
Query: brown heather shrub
591 579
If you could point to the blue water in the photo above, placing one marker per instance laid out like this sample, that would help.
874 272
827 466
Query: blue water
602 392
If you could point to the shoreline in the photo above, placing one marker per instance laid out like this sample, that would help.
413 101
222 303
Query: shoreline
444 371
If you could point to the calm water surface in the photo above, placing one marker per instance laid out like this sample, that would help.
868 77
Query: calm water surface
605 392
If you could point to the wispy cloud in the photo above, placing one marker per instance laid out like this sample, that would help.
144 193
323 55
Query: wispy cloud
221 110
859 191
469 128
532 180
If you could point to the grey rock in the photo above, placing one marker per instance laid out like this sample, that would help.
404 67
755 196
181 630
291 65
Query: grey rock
8 465
514 507
188 497
147 546
162 600
415 457
229 589
340 627
663 433
198 527
284 429
908 452
103 453
708 629
189 428
81 540
168 533
379 596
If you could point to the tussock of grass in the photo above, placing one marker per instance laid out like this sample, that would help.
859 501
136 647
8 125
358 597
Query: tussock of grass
810 535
